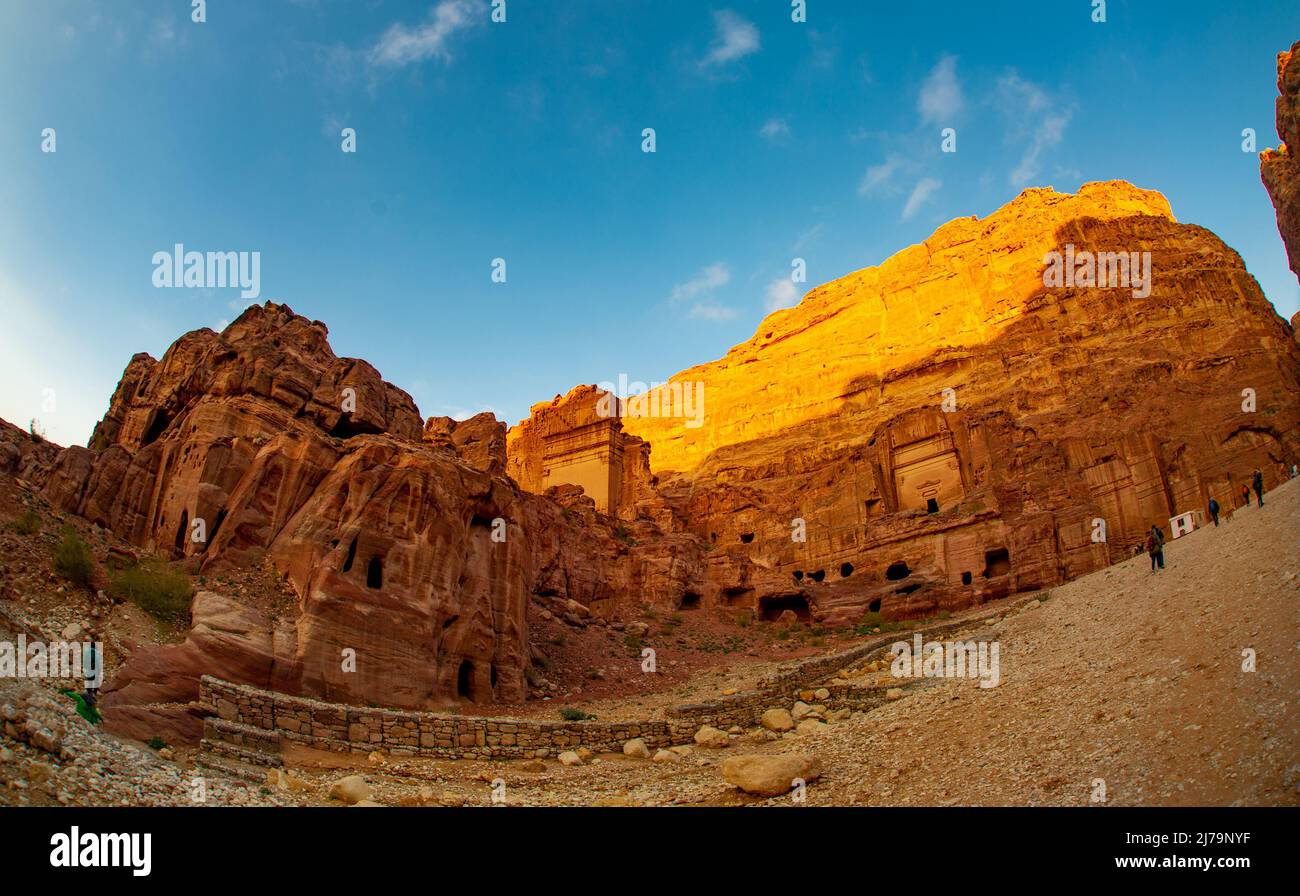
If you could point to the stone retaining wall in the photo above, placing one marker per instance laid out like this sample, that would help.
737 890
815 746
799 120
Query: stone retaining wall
332 726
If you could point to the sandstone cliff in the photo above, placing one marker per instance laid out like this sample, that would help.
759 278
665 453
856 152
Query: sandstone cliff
412 556
1278 167
947 427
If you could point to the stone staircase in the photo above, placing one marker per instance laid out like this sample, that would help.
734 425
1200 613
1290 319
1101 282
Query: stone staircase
240 751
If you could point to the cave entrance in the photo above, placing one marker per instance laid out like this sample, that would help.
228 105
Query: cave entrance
898 571
965 578
817 576
216 527
846 570
181 532
690 601
346 428
158 421
931 505
874 606
997 562
375 573
769 608
465 680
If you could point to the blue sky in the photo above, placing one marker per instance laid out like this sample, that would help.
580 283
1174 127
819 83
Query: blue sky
522 140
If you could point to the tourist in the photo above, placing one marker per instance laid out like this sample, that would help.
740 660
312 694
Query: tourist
1156 548
1257 482
1214 512
91 668
1245 495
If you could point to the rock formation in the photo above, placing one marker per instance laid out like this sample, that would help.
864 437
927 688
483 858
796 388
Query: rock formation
578 439
1279 167
412 555
952 426
948 427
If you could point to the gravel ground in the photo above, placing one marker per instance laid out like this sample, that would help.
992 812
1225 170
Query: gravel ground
1123 687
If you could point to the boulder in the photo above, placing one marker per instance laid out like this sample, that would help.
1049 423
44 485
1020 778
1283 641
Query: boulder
711 737
351 790
770 775
777 720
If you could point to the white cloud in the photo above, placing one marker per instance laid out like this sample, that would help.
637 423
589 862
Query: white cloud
710 310
941 98
780 294
920 194
775 128
699 290
880 177
402 45
808 237
735 39
1035 120
163 32
704 282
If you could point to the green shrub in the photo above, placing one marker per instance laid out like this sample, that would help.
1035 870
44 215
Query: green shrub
72 558
28 523
158 591
155 743
569 714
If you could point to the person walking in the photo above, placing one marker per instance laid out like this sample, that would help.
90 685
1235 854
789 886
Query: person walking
1156 548
1214 512
1245 495
1257 483
92 669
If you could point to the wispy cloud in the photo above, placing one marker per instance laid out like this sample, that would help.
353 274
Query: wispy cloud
1034 119
705 281
403 45
781 293
881 177
735 39
808 237
710 310
924 189
941 97
699 292
775 129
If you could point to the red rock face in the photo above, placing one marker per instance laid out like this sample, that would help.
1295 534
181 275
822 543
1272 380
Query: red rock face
412 555
260 443
1279 167
833 477
1072 406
